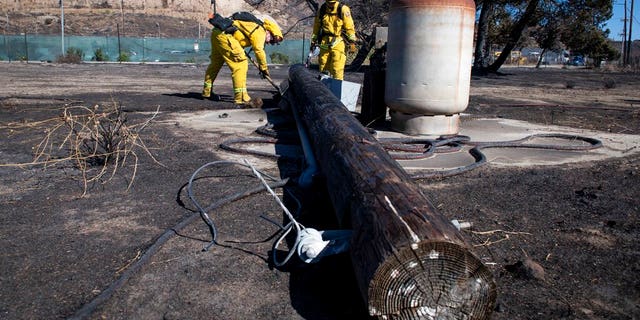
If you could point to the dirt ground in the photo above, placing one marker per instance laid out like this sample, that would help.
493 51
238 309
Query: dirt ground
64 254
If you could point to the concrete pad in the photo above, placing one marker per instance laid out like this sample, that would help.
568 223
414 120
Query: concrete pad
242 123
224 125
494 130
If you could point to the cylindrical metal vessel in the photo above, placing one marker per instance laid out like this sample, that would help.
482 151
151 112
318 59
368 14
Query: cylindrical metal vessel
429 56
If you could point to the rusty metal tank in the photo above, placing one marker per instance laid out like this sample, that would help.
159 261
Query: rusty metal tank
429 57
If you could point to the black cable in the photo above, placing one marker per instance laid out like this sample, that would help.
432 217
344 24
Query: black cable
592 143
227 145
475 152
480 158
203 211
274 137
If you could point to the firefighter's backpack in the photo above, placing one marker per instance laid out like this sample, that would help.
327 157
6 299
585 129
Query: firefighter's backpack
222 23
246 16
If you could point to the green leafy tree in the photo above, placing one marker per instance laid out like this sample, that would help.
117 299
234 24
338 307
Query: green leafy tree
547 33
584 32
514 36
501 25
577 25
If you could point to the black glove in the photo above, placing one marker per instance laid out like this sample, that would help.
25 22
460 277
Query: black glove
264 73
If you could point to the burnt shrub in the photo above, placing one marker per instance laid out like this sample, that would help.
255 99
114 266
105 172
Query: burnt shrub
73 55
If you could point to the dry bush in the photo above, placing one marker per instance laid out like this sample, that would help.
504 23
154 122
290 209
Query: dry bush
73 55
96 140
570 84
609 83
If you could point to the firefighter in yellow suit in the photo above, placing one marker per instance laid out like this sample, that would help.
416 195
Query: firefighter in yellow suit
225 48
251 34
333 19
248 34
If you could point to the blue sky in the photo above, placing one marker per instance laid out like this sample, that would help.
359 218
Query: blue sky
615 24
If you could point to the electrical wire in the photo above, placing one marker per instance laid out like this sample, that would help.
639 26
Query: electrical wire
285 230
293 224
203 211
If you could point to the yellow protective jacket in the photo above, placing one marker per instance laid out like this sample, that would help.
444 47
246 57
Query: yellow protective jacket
251 34
332 24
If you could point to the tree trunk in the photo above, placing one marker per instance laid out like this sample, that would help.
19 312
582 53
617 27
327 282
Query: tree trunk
480 54
515 35
313 5
544 50
410 261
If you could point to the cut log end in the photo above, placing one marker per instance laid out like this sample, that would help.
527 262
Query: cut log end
436 280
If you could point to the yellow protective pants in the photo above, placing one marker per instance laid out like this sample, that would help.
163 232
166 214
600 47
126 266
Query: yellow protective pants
226 49
332 57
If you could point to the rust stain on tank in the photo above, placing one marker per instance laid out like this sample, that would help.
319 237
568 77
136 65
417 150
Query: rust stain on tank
397 4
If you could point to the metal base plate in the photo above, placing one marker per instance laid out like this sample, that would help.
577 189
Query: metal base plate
416 124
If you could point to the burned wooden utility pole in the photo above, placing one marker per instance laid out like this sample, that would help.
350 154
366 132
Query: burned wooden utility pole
410 261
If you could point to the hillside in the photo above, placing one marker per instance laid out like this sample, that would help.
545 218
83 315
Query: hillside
140 18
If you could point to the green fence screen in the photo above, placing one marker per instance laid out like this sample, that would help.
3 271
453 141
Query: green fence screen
49 48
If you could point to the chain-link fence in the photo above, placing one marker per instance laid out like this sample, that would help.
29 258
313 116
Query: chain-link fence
105 48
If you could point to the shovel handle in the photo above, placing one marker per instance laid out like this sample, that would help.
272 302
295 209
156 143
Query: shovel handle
266 76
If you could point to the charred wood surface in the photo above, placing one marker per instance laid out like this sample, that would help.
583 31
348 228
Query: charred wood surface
409 260
373 110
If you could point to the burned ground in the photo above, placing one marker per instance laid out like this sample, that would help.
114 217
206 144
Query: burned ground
577 224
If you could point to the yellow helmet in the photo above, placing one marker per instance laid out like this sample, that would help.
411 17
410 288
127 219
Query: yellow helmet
274 29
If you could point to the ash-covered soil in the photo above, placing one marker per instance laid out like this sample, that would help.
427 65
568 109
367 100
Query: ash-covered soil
578 223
